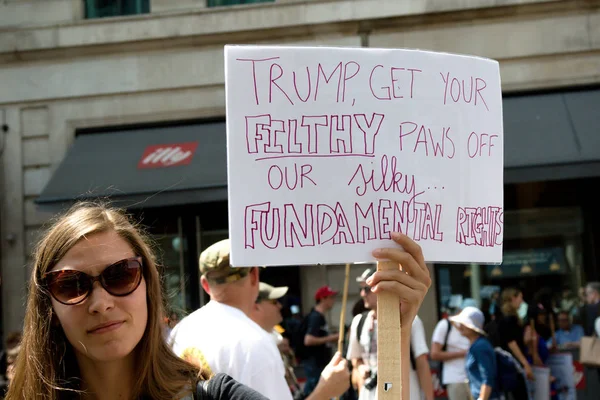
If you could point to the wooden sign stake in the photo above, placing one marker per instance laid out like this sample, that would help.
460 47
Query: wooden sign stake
340 348
343 313
389 355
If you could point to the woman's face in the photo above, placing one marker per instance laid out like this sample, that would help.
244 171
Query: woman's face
517 300
103 327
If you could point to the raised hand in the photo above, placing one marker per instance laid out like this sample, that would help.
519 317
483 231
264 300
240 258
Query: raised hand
410 282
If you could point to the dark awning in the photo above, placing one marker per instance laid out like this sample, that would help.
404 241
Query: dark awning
552 136
148 167
547 137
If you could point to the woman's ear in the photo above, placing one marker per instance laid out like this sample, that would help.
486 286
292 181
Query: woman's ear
254 276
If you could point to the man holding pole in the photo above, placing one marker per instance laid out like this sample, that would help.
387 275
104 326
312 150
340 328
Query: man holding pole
362 349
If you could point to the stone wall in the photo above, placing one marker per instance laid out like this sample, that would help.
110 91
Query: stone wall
59 73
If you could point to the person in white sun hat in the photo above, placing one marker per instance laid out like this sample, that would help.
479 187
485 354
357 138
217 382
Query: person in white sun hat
481 358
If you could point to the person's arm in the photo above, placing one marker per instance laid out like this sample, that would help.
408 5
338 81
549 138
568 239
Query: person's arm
310 340
360 372
418 344
516 351
335 380
485 392
437 343
424 374
438 354
485 359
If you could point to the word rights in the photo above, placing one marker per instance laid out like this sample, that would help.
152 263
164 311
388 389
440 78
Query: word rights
332 149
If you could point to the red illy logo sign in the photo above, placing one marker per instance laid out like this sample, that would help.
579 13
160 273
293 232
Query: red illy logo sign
167 155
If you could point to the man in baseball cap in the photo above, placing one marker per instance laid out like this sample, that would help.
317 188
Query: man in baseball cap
317 337
324 292
267 309
215 267
222 334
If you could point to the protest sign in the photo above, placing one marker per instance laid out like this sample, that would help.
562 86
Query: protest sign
331 149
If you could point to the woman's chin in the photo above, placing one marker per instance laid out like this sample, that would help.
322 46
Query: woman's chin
112 351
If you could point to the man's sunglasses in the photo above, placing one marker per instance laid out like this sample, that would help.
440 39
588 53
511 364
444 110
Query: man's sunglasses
70 287
367 289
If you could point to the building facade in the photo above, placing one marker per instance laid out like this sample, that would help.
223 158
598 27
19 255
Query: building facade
105 86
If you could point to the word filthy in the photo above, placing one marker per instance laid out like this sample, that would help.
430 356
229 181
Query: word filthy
313 134
305 225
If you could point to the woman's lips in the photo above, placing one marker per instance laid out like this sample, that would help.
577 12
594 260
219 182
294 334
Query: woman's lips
104 328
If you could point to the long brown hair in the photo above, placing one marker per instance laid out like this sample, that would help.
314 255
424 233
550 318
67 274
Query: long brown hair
46 367
507 297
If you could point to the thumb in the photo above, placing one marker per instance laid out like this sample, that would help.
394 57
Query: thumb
337 358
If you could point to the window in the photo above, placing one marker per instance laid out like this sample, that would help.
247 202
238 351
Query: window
115 8
220 3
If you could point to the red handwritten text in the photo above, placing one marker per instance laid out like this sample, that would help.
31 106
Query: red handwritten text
456 91
344 134
440 143
479 226
477 142
389 78
280 83
317 224
387 179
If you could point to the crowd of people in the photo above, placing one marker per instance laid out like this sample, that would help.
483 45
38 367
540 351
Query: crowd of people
492 356
95 321
95 328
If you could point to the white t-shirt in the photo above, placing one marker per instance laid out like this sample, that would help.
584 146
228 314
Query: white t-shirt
454 370
228 341
366 350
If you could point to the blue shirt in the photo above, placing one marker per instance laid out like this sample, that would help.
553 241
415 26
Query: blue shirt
572 336
481 367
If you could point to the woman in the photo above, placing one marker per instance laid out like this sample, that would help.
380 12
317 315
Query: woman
100 340
511 335
480 363
88 340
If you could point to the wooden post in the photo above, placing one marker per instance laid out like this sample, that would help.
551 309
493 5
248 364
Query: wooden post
340 348
343 313
389 355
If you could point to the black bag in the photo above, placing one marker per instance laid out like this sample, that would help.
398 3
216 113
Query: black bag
509 372
297 343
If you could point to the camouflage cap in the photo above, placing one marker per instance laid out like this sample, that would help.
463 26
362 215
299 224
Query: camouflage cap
214 264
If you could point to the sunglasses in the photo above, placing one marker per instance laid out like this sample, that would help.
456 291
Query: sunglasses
70 287
367 289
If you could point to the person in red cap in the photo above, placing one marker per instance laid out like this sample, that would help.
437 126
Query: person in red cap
317 338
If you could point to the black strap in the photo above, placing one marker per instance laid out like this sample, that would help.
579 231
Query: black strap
447 334
444 347
359 328
361 324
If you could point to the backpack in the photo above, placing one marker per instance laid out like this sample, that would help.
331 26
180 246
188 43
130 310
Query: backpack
508 371
359 328
297 344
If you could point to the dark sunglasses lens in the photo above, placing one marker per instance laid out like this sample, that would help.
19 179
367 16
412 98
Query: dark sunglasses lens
68 286
122 278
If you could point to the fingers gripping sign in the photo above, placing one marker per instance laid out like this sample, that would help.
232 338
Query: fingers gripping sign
401 283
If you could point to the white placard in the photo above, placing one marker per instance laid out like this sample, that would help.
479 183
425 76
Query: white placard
331 149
